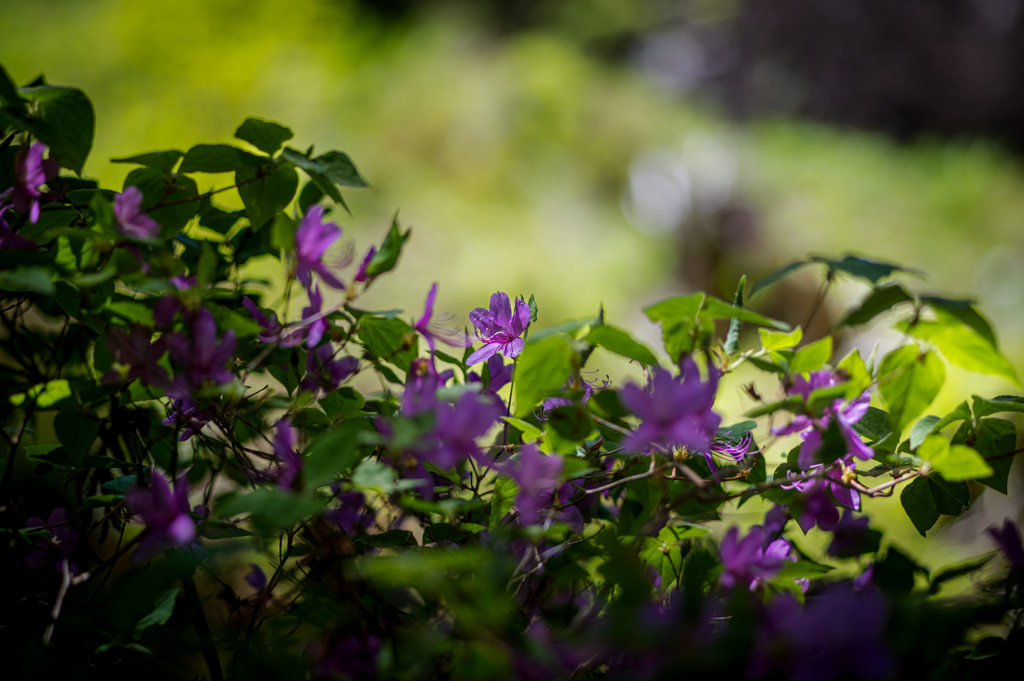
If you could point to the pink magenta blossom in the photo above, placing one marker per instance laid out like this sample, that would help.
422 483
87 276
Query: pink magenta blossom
751 561
433 330
674 413
30 171
499 328
811 429
132 221
165 514
312 239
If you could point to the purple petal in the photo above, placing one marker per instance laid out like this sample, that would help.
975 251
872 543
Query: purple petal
483 353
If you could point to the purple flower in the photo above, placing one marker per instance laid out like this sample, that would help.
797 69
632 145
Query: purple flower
165 514
552 403
271 327
288 461
865 581
535 473
673 413
57 549
186 413
817 503
421 384
350 513
1008 538
30 171
9 241
847 535
202 357
312 239
501 375
811 429
499 328
362 275
751 561
132 221
312 332
137 356
433 331
835 635
353 657
324 371
256 578
458 427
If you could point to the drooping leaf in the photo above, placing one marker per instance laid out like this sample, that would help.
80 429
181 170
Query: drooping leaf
928 496
776 340
387 257
877 302
388 339
541 371
264 135
161 613
909 380
954 462
776 276
965 348
996 441
996 405
160 160
966 313
621 343
219 158
65 122
812 357
266 195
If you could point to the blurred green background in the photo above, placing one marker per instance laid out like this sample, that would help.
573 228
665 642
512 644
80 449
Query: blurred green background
560 150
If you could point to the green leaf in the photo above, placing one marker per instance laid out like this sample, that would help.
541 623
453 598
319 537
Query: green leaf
55 455
877 302
621 343
66 123
45 394
909 380
9 93
160 160
1003 403
996 441
161 613
926 497
276 508
875 424
812 357
791 403
219 158
158 187
861 268
386 258
310 195
679 324
534 310
505 491
228 319
732 338
859 378
266 196
921 430
719 309
334 453
264 135
952 572
964 311
132 312
961 413
776 276
282 232
336 166
35 279
388 339
956 462
965 348
541 371
76 432
775 340
530 432
373 475
918 501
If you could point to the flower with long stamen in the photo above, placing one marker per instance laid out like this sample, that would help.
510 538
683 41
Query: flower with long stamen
434 329
500 328
270 325
201 355
673 413
325 372
811 429
312 239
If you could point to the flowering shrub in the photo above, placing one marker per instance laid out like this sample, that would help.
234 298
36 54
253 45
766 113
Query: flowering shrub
233 490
